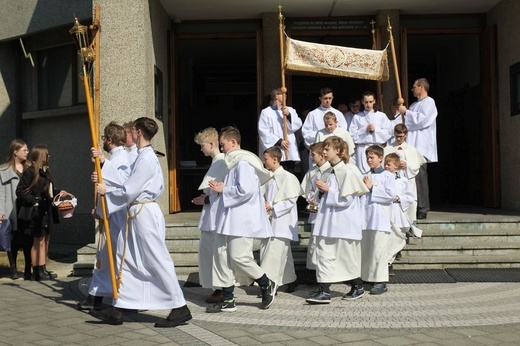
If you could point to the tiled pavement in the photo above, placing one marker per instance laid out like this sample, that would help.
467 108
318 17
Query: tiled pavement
459 314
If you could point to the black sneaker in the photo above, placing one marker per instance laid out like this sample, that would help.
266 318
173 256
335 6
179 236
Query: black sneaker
291 287
176 317
379 288
355 293
268 294
223 306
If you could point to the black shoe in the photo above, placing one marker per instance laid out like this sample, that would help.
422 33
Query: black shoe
47 274
176 317
391 270
14 273
291 287
421 216
90 303
110 315
268 294
399 256
215 297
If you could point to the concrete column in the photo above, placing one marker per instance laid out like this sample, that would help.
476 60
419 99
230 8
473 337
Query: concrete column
131 45
389 88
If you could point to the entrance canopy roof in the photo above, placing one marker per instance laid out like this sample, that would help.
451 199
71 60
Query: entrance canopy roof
180 10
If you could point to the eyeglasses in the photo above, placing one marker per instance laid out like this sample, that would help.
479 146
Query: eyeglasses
103 138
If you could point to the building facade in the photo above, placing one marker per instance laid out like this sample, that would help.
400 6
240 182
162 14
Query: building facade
195 73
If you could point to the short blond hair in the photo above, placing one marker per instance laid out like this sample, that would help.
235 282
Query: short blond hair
330 115
208 135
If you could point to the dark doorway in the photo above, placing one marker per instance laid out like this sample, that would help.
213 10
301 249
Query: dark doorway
217 87
451 63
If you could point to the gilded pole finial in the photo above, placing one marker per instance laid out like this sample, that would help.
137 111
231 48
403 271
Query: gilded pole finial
389 25
280 15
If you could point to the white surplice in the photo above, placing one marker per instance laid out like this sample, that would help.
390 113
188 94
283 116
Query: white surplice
374 245
323 134
270 131
241 217
276 259
311 193
314 122
149 280
414 160
363 138
207 222
339 225
420 119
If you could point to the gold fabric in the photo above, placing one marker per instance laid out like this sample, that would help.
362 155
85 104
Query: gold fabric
330 60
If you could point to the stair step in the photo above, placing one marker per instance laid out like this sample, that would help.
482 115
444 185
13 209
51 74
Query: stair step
442 262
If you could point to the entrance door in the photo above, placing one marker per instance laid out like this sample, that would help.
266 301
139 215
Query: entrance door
216 86
451 63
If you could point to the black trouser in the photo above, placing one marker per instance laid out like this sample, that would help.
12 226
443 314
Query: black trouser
19 240
423 193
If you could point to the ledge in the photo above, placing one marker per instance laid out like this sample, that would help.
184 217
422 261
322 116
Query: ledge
57 112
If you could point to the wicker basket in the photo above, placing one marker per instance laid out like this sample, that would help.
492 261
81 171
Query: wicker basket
65 207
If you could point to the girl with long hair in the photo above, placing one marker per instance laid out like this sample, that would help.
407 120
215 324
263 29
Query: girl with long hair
36 189
10 173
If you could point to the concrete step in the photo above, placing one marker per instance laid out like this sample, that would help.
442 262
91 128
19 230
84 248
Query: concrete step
464 235
443 262
471 248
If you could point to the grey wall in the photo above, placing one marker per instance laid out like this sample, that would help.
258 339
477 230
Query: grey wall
8 98
505 17
22 17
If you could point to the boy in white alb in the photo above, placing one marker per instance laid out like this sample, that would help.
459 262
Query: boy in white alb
312 196
338 226
281 194
368 128
209 145
376 232
401 203
101 283
241 218
332 129
410 163
314 120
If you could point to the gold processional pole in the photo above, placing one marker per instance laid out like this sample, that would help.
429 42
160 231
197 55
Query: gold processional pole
85 51
400 100
283 89
379 85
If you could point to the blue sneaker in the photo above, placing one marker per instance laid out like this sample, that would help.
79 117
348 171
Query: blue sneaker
379 288
320 298
355 293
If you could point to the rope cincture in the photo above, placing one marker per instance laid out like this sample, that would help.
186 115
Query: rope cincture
129 217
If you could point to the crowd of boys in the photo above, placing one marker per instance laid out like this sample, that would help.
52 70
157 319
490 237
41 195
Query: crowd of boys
360 212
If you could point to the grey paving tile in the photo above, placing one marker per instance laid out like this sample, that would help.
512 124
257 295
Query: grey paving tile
505 337
245 340
396 340
324 340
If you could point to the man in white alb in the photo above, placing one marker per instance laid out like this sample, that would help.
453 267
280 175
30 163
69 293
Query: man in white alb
421 121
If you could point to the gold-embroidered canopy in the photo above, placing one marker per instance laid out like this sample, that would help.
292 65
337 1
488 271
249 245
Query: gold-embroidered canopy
322 59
